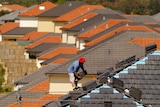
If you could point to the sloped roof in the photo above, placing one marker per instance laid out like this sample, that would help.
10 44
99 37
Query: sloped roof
20 31
77 12
48 39
13 7
141 18
45 6
32 35
62 9
156 16
98 19
57 51
8 26
78 21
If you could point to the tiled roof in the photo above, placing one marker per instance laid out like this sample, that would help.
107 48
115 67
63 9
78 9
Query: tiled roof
60 60
146 41
77 12
45 6
8 26
41 87
64 56
95 21
57 51
13 7
62 9
79 20
51 96
93 42
29 104
20 31
101 28
48 39
32 35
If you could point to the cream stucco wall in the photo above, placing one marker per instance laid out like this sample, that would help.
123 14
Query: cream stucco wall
28 22
58 25
46 24
71 39
59 83
80 44
64 37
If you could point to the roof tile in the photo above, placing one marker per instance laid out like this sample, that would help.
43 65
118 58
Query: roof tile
38 9
48 39
8 26
13 7
60 60
79 20
57 51
116 31
51 96
41 87
77 12
32 35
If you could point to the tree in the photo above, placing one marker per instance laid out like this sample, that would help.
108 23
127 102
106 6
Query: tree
2 73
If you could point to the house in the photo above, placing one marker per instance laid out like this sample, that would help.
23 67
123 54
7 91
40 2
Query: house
45 20
11 7
29 18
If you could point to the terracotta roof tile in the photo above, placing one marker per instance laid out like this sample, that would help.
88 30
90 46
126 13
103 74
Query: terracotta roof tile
77 12
51 96
8 26
57 51
48 39
146 41
60 60
29 104
39 9
158 29
41 87
101 28
32 35
13 7
79 20
117 30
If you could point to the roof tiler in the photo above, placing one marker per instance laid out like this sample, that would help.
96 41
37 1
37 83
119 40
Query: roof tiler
38 9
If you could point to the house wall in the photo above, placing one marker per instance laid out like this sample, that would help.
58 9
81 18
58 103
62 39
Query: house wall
80 44
58 25
71 39
64 37
28 22
10 37
45 24
60 84
0 37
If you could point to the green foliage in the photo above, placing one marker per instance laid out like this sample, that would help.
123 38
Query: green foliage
2 73
3 12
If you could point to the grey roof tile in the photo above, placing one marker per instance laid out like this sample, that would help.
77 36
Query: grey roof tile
62 9
20 31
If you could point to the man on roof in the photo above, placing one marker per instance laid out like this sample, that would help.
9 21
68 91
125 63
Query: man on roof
73 71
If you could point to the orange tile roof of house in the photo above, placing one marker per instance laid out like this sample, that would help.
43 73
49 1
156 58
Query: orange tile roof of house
60 60
79 20
57 51
158 29
41 87
38 9
29 104
77 12
146 41
48 39
51 96
97 40
32 35
8 26
13 7
101 28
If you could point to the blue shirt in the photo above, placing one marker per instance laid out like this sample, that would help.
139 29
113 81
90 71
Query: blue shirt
73 67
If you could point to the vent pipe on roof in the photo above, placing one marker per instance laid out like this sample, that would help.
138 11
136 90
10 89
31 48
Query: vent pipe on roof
104 17
70 4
